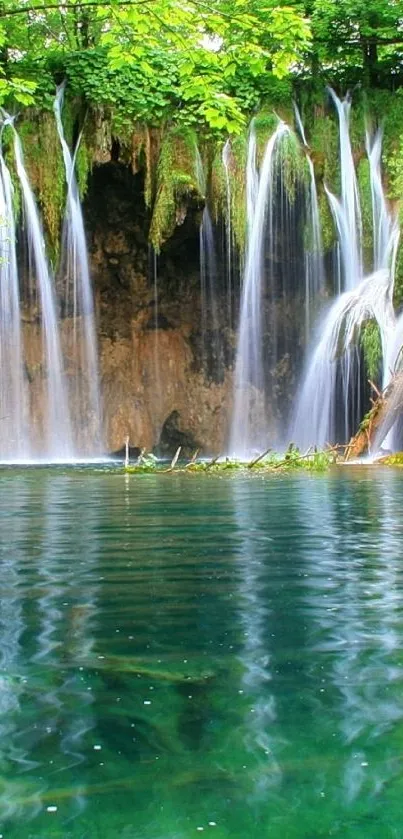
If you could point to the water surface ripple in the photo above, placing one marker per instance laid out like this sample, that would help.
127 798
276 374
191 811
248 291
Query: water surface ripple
188 654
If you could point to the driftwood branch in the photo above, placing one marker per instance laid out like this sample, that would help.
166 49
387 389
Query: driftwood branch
213 462
193 459
257 459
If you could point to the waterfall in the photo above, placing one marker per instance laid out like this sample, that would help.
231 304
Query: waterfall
226 155
249 428
80 303
330 401
386 240
57 429
252 179
15 442
385 228
346 211
314 265
335 364
210 326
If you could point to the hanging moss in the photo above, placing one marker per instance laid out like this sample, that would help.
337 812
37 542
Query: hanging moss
45 167
364 186
218 184
358 125
83 167
8 152
398 288
294 169
265 124
138 141
327 226
386 110
324 142
176 184
239 149
371 345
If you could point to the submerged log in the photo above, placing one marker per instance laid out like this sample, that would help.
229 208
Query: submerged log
386 408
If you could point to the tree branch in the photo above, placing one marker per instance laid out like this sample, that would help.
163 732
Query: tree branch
46 7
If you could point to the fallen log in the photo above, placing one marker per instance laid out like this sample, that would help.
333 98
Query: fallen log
386 408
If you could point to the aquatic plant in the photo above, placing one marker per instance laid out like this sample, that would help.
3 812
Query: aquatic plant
268 462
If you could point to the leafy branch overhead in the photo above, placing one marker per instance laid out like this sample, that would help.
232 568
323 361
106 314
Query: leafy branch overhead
200 63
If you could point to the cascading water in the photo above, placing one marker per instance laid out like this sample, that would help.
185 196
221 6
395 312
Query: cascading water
316 420
226 156
80 304
249 425
210 327
252 179
14 438
314 265
57 425
347 212
385 227
386 240
329 406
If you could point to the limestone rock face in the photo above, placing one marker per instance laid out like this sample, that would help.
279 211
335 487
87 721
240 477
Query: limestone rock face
155 375
166 367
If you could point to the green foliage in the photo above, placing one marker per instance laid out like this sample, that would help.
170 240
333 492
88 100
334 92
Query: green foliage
271 464
392 459
293 164
323 140
238 189
357 40
371 345
326 221
151 60
177 183
265 123
84 163
398 287
364 185
45 167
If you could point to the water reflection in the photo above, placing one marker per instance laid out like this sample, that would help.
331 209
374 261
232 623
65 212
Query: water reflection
12 626
260 735
190 653
354 599
51 601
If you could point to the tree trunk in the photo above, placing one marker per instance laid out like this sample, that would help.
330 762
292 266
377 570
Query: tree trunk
386 409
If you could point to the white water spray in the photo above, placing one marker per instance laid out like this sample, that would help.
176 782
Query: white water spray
57 433
249 425
14 438
79 300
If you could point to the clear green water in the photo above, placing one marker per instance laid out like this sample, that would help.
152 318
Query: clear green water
200 655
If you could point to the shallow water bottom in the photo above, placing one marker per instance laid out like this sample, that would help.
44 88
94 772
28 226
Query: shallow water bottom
200 654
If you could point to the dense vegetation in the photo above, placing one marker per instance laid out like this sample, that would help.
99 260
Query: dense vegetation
164 76
199 63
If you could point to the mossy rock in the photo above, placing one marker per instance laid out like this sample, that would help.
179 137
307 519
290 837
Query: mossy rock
177 184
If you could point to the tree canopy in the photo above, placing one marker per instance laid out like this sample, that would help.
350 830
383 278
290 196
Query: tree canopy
205 63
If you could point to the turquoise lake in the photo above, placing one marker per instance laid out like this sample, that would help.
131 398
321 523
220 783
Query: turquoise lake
185 655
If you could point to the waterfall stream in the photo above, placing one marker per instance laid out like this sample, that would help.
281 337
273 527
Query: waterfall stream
329 406
15 440
80 303
66 348
286 320
57 422
249 427
210 327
